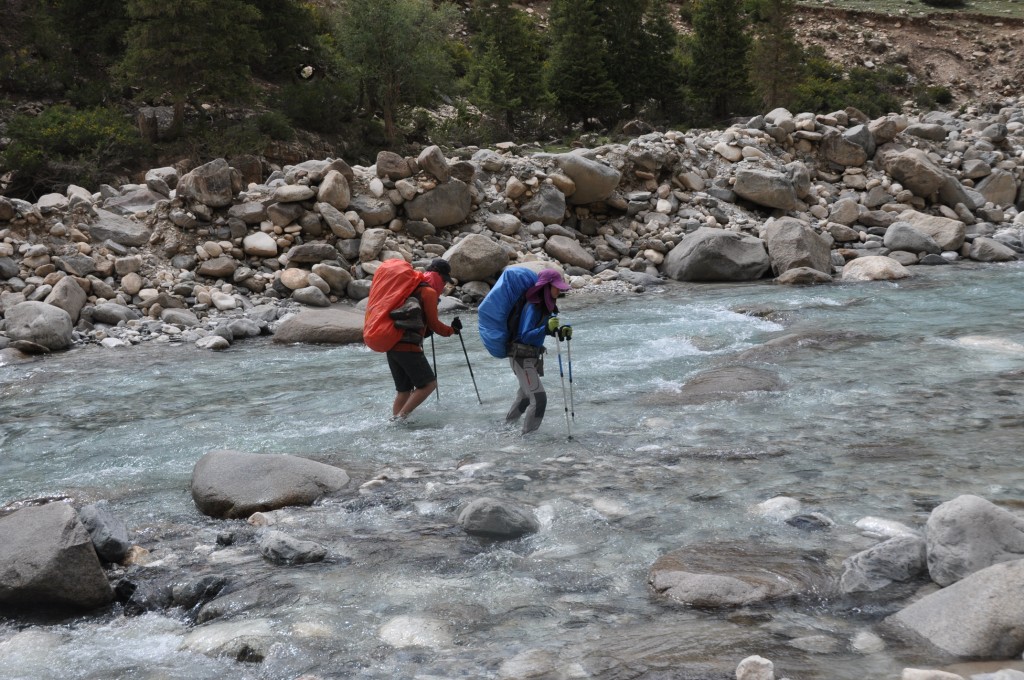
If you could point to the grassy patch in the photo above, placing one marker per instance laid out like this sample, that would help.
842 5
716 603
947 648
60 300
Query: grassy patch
1009 9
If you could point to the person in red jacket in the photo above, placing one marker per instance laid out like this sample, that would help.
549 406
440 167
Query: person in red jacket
414 379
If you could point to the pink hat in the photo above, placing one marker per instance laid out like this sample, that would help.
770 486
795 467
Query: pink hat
552 277
540 290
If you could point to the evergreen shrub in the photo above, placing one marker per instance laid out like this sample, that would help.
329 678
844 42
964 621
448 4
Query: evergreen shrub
275 125
323 105
64 146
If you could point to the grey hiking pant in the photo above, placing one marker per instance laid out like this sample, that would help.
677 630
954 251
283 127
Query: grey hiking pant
531 398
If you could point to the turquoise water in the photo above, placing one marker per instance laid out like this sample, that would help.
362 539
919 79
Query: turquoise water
893 397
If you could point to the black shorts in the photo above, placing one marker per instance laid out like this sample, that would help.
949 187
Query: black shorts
410 369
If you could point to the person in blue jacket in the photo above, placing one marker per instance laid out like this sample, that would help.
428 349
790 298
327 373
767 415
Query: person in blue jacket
534 318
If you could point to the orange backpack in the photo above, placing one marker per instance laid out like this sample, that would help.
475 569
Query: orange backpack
393 282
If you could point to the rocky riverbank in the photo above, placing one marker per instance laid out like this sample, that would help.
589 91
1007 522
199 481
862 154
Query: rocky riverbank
212 254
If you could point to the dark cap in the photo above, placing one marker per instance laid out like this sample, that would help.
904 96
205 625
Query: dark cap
442 267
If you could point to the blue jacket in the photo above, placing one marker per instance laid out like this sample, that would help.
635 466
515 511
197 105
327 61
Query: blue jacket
533 325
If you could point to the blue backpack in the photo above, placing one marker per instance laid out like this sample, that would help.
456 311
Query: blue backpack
500 310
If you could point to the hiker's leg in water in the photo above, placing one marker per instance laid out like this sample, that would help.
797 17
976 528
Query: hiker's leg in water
522 399
528 371
400 399
417 397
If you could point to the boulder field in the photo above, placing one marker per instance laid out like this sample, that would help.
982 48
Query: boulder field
233 249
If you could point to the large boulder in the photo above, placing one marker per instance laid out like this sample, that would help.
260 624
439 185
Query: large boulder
373 211
445 205
979 617
213 184
912 168
839 149
717 255
232 484
990 250
77 264
874 268
949 234
40 324
106 226
594 181
546 206
432 161
793 243
904 236
336 221
334 190
69 296
334 326
476 258
48 559
769 188
132 202
968 534
569 251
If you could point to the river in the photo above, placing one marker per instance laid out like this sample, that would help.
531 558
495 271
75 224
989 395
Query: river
894 397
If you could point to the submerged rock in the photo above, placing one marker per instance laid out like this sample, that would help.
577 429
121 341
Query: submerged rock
232 484
735 574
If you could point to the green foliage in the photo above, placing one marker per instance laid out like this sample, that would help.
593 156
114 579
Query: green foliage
686 9
775 56
505 73
63 146
289 31
398 50
93 31
577 70
719 48
931 96
826 88
663 68
210 59
323 105
224 138
33 61
275 125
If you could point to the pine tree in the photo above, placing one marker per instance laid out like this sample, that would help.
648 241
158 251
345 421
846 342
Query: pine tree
718 73
628 48
505 76
776 56
577 72
398 49
189 48
664 69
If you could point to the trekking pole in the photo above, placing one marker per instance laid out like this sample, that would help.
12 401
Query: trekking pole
572 397
568 428
470 366
437 390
